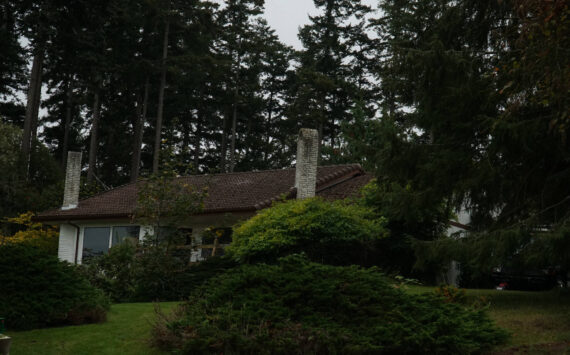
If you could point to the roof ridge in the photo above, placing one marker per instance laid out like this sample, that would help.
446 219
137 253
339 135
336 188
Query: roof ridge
327 178
267 170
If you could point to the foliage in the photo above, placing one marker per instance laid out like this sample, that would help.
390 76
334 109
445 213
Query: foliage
409 219
45 186
143 273
473 114
451 294
164 201
37 234
333 72
115 272
332 232
519 249
303 307
38 290
164 277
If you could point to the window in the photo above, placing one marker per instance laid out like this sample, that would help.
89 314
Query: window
95 242
175 236
121 233
209 243
98 240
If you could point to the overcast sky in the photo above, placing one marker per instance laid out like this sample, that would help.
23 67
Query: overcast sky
285 16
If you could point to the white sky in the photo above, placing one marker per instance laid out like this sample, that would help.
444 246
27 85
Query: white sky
286 16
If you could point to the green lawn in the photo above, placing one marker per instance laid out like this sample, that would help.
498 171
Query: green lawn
125 332
533 318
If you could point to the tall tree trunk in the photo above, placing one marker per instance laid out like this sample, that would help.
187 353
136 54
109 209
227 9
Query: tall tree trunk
234 108
94 140
198 141
268 130
32 109
158 128
36 109
233 139
139 126
224 144
319 152
67 122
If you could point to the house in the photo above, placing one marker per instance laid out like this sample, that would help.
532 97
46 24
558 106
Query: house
91 226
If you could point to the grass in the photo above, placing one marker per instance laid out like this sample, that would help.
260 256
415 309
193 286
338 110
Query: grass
125 332
532 318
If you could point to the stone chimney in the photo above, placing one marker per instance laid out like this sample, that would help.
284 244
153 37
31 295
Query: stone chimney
307 157
72 181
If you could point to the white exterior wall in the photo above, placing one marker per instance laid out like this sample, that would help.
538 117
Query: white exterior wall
67 232
66 246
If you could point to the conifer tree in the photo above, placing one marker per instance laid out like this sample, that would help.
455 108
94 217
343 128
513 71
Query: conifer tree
331 74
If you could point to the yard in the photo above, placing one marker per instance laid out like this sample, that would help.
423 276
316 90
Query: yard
125 332
539 323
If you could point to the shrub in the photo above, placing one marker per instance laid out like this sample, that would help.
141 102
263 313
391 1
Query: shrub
144 273
32 233
299 307
115 272
38 290
163 277
335 233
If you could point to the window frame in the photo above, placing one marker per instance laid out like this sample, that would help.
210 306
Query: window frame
109 237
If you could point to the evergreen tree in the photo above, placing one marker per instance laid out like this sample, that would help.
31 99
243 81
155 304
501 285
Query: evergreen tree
463 125
332 72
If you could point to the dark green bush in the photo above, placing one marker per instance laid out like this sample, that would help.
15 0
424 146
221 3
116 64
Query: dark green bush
299 307
144 273
38 290
115 272
163 277
328 232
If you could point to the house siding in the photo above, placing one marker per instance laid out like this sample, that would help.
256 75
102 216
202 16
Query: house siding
67 240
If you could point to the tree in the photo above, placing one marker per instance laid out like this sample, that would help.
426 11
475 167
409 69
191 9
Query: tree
463 125
43 189
332 71
12 62
165 201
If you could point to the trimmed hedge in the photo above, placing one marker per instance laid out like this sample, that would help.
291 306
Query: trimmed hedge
300 307
38 290
337 233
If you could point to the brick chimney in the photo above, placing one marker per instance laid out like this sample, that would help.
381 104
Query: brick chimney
72 181
307 157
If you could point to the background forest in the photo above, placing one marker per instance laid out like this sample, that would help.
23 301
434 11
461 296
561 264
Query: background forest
452 104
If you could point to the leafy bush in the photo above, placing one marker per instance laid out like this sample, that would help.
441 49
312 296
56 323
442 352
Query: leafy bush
299 307
38 290
115 272
335 233
32 233
163 277
144 273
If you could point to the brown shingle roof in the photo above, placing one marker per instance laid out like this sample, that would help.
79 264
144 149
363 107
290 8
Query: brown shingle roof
246 191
